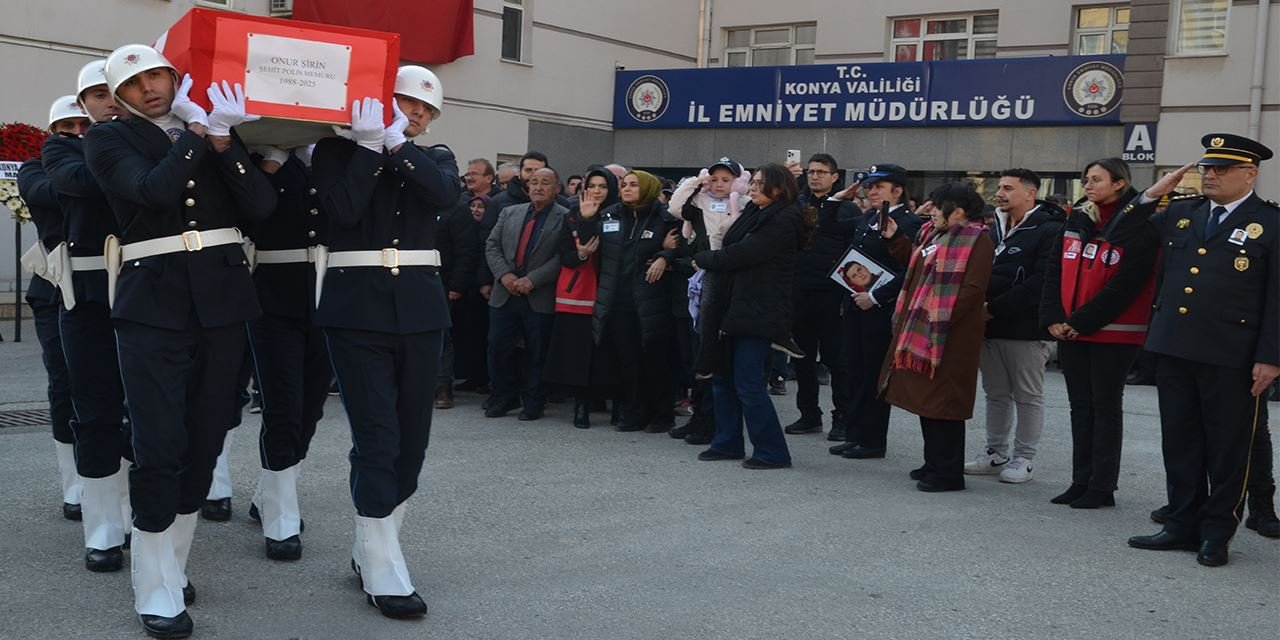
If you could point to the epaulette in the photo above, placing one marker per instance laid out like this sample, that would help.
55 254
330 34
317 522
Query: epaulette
1273 204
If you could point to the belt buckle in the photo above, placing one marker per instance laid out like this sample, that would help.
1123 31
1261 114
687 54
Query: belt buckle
390 258
191 241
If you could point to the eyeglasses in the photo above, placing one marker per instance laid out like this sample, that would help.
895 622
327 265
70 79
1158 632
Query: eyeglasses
1219 170
756 183
818 172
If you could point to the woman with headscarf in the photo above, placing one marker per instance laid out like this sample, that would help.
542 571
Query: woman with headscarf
636 241
571 354
931 369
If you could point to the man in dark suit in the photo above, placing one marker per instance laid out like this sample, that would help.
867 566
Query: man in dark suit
1214 331
383 309
179 183
523 253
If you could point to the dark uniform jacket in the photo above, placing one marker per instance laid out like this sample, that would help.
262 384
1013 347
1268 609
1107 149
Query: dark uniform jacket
42 201
460 246
87 218
1017 276
1219 298
159 188
624 258
289 290
378 201
863 233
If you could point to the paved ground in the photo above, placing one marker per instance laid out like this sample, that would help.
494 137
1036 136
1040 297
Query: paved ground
538 530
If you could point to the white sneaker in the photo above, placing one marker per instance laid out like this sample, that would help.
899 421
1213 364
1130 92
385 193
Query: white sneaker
986 464
1017 471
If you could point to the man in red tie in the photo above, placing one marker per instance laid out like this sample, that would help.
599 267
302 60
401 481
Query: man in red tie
523 253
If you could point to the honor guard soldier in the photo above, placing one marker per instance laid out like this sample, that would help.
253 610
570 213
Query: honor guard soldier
1215 330
383 309
288 349
102 440
178 182
45 298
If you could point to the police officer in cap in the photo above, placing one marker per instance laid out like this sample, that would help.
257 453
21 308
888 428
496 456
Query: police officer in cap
45 298
88 340
179 182
382 306
1214 330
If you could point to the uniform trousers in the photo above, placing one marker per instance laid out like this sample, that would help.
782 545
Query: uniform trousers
385 380
867 338
58 390
293 373
741 397
818 332
1262 481
181 386
97 395
1207 424
644 368
1095 373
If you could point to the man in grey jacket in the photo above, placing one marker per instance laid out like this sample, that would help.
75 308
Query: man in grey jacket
523 252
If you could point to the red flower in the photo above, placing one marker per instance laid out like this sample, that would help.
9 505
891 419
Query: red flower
20 142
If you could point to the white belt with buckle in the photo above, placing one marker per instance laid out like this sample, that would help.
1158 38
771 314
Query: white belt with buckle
188 241
88 263
388 258
287 256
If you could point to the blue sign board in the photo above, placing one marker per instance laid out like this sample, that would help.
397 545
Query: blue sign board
1066 90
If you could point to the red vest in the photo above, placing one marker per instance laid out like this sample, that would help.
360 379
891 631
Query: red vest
576 287
1086 268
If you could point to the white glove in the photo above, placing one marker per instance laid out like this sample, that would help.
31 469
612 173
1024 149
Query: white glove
184 109
228 109
271 154
366 124
395 130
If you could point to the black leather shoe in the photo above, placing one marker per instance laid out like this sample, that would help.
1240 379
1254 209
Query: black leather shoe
216 510
179 626
529 414
1139 379
761 465
501 408
678 433
628 427
700 438
1093 499
837 433
859 452
1161 515
1163 541
711 455
188 594
839 449
104 560
934 486
288 549
777 386
803 426
410 606
1070 495
1212 554
491 402
658 427
582 414
71 511
257 517
918 474
1266 524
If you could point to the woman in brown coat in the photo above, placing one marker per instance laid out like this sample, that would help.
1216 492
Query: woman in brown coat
931 369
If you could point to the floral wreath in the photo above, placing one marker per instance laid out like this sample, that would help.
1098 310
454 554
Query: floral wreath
19 142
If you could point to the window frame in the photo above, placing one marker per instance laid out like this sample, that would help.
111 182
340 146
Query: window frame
284 9
1175 40
217 4
522 34
1108 31
790 45
969 37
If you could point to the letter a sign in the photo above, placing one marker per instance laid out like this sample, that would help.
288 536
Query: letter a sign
1140 143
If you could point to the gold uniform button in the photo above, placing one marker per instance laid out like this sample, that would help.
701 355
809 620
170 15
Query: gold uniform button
1202 251
311 234
315 212
395 242
1195 270
191 223
191 202
395 271
1182 310
191 184
312 191
1188 291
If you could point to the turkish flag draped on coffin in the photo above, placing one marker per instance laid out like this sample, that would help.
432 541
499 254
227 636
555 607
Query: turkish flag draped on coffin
431 31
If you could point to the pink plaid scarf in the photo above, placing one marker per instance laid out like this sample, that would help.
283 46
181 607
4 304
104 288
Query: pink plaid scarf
922 321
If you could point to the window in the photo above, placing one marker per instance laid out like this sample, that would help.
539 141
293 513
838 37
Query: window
944 38
513 30
1201 26
1101 30
770 46
281 7
221 4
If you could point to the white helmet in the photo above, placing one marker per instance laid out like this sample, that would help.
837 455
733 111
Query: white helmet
91 75
64 108
421 83
129 61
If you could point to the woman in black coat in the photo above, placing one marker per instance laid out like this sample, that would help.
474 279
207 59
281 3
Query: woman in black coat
754 269
632 313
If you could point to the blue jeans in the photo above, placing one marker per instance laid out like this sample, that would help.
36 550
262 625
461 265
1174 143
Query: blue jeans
742 395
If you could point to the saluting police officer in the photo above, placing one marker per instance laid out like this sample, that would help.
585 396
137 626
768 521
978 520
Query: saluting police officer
178 182
88 340
292 362
383 309
45 298
1214 330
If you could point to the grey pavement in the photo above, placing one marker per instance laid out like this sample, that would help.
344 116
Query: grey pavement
538 530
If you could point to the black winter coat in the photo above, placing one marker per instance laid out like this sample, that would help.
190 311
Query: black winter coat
755 271
1017 274
639 235
827 244
460 246
861 231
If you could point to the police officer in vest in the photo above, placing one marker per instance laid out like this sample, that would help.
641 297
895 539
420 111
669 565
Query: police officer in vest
178 182
45 298
88 340
383 310
1214 330
292 362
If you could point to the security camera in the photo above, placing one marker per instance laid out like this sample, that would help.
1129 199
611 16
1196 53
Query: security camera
617 66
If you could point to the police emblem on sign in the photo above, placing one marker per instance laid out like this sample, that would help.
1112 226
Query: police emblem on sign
1093 89
647 98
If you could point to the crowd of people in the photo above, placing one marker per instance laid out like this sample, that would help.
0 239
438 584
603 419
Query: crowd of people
367 262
